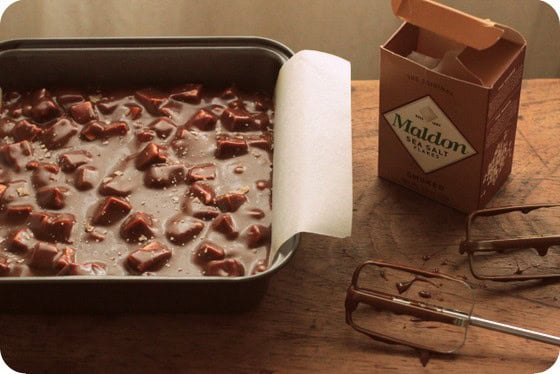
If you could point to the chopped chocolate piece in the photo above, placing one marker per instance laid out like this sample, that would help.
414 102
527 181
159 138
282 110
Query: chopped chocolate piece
203 120
16 155
52 227
106 106
230 93
19 240
88 268
16 214
51 197
6 127
188 93
198 210
83 112
171 109
238 120
14 191
111 210
70 161
261 120
42 256
263 141
163 127
86 177
44 174
25 130
151 99
256 213
68 256
66 97
4 267
119 184
33 165
138 227
59 134
182 141
159 176
237 104
145 135
203 192
228 147
225 268
182 229
44 109
230 202
151 154
208 251
134 112
201 172
117 128
149 258
257 235
92 131
224 224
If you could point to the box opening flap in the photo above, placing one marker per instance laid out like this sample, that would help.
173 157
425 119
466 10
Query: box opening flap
443 20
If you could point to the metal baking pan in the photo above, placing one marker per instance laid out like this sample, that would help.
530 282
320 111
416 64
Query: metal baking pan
251 63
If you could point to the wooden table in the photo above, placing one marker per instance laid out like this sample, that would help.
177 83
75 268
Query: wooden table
300 324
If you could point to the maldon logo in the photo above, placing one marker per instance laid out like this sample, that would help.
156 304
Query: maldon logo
424 134
428 135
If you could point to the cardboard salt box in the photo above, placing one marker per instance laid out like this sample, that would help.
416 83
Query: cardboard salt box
449 97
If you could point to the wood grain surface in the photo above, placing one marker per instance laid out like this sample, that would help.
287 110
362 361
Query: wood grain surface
299 326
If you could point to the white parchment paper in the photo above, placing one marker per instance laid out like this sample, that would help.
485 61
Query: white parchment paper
312 172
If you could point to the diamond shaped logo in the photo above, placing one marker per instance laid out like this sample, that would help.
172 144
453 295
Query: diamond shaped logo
428 135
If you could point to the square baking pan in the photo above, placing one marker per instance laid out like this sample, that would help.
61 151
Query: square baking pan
251 63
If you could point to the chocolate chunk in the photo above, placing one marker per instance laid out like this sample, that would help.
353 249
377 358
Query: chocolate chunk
203 192
86 177
111 210
134 112
145 136
201 172
188 93
151 99
16 155
228 147
262 103
171 109
34 165
25 130
88 268
51 197
182 229
230 202
208 251
52 227
138 227
198 210
92 131
257 235
230 93
240 120
44 109
107 106
6 127
117 128
256 213
59 134
67 257
83 112
120 184
16 214
65 97
237 104
159 176
182 141
151 154
15 191
151 257
163 127
261 120
70 161
263 141
19 240
203 120
224 224
42 256
225 268
43 174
